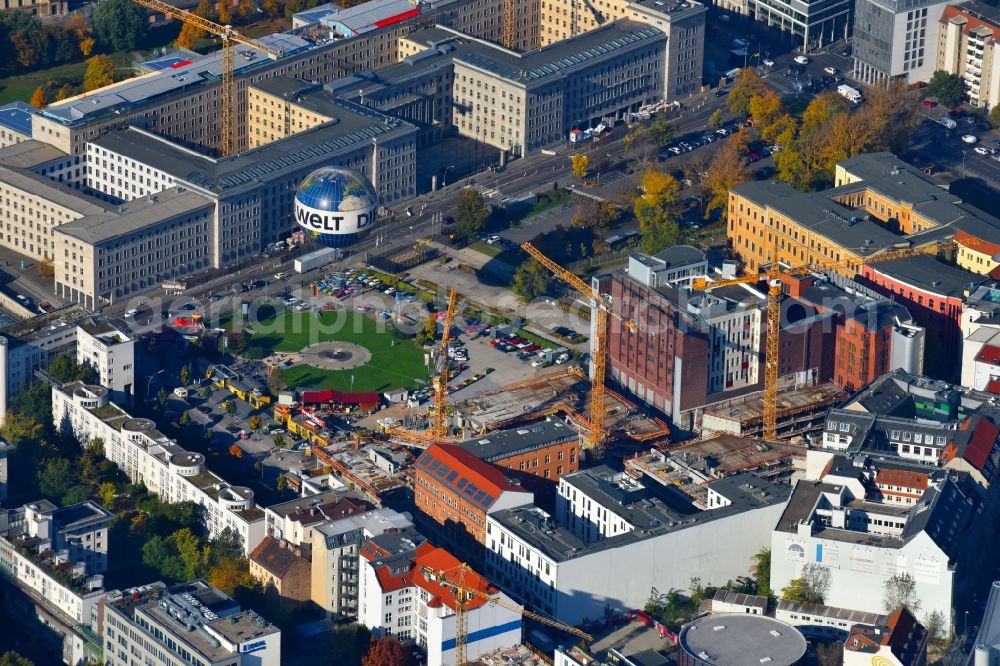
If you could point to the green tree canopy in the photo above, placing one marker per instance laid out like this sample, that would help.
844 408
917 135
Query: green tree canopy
120 25
471 212
531 280
946 88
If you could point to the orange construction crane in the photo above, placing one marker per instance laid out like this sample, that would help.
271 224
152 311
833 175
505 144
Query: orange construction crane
599 347
773 275
440 426
230 37
455 579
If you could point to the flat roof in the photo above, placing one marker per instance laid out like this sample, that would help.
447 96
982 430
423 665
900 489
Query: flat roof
818 213
17 116
51 191
137 90
538 529
356 126
737 639
927 273
135 215
540 65
503 443
45 325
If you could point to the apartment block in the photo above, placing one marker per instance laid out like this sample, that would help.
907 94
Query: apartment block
51 561
335 548
407 590
191 623
811 25
148 456
543 450
32 344
967 46
283 569
572 565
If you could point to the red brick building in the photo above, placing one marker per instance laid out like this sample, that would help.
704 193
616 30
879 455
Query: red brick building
934 293
455 490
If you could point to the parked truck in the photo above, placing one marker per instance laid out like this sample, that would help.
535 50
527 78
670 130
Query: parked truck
307 262
853 94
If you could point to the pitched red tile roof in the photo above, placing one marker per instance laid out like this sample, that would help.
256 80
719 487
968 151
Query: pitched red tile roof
275 559
971 22
984 436
989 354
440 560
975 243
475 480
993 386
905 478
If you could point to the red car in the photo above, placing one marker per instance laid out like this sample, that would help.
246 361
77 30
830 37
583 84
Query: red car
929 103
531 348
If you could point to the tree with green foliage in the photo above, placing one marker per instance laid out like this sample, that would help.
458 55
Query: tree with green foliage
277 381
811 587
948 89
55 478
657 224
65 369
184 420
100 72
161 398
717 119
428 332
994 116
279 441
11 658
282 483
661 131
471 212
531 280
900 590
120 25
108 491
185 375
761 570
230 407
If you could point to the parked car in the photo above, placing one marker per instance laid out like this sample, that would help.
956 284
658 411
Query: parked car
801 59
767 62
832 71
969 138
981 150
280 276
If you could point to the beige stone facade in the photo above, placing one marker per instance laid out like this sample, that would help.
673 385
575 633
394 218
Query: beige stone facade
969 46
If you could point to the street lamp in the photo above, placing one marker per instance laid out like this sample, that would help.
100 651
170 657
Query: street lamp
150 382
444 178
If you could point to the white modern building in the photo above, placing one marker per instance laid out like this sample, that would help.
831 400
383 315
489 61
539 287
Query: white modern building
146 455
5 449
858 523
614 539
52 559
677 265
192 623
896 39
403 592
295 520
981 358
31 345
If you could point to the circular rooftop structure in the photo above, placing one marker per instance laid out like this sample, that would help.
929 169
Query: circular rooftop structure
734 639
336 206
187 459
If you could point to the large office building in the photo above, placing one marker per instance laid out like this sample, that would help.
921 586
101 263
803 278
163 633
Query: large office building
895 39
191 623
613 539
148 456
811 23
32 344
968 46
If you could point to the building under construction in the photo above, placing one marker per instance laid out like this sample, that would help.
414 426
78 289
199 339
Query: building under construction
566 392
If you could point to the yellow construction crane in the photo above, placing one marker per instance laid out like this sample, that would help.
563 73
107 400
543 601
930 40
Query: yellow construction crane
599 347
440 426
230 37
456 580
773 277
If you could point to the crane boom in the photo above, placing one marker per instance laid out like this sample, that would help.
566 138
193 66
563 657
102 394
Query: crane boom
440 428
769 416
598 360
227 139
455 578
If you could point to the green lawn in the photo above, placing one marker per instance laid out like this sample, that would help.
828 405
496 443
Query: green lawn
396 360
21 87
485 248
